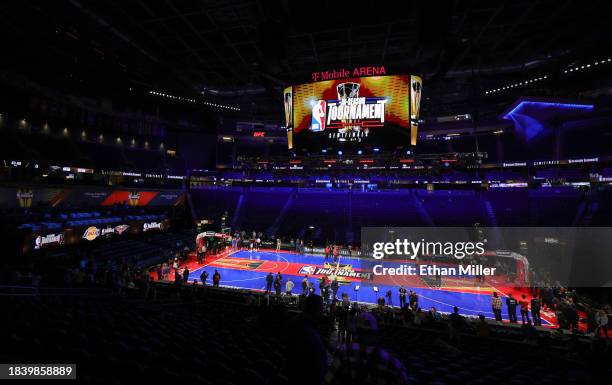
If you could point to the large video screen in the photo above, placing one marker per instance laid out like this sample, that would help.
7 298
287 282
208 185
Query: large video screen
372 110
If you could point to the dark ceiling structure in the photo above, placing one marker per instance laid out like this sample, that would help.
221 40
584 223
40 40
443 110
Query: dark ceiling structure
242 52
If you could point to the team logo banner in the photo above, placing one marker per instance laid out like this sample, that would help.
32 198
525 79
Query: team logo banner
91 233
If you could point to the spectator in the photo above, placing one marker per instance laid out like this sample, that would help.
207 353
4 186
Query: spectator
216 279
277 285
455 325
186 275
334 287
289 286
433 315
364 361
389 296
269 281
496 304
482 327
601 322
535 311
203 277
305 285
413 298
511 303
524 309
402 296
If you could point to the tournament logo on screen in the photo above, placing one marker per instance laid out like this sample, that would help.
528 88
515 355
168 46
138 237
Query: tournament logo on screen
349 114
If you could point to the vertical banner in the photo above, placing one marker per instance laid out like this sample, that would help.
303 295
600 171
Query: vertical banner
288 102
416 84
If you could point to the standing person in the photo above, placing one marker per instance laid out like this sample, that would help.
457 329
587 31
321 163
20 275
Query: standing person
186 275
413 298
336 253
511 303
301 246
601 324
438 283
289 287
269 280
455 325
160 272
496 304
216 279
524 309
203 277
402 295
389 296
257 243
322 287
535 311
305 285
278 244
326 252
334 287
203 251
277 285
199 255
175 266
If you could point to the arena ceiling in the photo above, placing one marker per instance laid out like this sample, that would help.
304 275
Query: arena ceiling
243 51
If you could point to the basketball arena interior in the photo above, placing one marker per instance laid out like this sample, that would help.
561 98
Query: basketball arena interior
275 192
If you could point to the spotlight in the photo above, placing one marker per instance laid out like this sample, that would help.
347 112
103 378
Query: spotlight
339 152
359 152
376 149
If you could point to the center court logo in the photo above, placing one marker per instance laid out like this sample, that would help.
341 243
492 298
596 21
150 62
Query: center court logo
308 270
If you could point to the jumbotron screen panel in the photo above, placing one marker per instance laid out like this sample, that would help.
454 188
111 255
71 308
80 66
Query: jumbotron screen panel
365 110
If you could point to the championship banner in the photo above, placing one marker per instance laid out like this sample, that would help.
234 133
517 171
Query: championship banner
288 106
416 84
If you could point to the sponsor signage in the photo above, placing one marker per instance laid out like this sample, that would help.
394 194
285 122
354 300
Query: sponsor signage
147 226
347 73
48 240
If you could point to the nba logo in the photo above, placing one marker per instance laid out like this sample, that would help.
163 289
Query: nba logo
308 270
318 116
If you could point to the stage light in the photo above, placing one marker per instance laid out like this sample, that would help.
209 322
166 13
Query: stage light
359 152
339 152
324 151
376 149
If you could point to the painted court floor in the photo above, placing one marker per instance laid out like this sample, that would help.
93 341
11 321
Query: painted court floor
248 269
